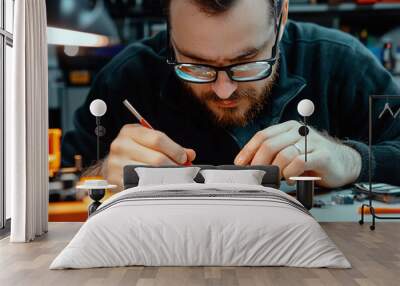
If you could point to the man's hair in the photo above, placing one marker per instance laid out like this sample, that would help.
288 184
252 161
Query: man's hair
214 7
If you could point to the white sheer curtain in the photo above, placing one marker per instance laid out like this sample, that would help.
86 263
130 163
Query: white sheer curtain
27 124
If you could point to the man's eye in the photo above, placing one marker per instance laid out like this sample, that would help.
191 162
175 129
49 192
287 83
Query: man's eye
207 73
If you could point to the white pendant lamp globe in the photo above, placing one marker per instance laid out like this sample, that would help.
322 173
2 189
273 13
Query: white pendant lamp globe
305 108
98 108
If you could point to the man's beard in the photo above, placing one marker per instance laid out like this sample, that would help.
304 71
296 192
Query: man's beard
236 116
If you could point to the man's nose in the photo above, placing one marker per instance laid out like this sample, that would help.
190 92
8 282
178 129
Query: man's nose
224 87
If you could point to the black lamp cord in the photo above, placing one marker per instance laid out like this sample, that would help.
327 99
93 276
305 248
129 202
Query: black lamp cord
305 138
98 137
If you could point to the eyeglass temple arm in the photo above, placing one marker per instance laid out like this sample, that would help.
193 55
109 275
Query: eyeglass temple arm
170 56
278 30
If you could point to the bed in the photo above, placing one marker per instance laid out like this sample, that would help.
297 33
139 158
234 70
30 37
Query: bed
201 223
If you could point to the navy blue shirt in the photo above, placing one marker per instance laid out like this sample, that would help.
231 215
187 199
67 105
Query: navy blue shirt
329 67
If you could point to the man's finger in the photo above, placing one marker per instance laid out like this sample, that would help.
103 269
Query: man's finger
157 141
269 149
315 162
294 169
115 167
191 154
285 157
277 129
137 152
246 155
300 146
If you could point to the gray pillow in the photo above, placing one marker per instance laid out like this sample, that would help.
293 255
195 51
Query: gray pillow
166 176
247 177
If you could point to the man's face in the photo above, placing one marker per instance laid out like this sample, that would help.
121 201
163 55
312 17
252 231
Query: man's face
244 33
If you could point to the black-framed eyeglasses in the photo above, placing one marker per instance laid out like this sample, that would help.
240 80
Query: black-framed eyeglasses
242 72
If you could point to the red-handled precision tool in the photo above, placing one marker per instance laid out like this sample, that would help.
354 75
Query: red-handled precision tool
143 121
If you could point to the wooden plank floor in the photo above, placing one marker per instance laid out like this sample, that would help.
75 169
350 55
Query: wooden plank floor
375 257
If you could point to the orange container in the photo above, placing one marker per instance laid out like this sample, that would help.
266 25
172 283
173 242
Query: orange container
380 211
54 151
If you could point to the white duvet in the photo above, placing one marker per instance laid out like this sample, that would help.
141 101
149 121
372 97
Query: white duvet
201 231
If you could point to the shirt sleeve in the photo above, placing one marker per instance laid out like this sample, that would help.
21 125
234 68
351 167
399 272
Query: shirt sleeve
370 78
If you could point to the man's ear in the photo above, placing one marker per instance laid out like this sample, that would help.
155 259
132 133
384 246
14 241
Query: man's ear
285 16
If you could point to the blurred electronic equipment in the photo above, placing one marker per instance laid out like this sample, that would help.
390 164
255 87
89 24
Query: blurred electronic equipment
392 53
388 56
55 155
62 181
380 192
319 204
340 199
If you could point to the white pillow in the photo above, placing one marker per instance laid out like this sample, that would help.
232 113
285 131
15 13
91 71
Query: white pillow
166 176
248 177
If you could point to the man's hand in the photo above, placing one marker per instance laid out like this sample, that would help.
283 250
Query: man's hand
335 163
137 145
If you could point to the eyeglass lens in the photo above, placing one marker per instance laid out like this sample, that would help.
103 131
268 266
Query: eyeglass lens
245 72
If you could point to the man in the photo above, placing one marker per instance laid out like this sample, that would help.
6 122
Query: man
228 95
